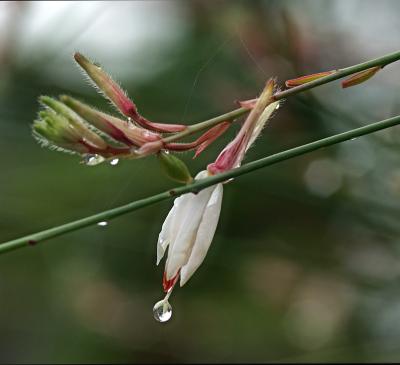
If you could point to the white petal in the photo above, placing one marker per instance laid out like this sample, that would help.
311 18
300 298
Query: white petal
179 250
205 234
170 227
202 175
164 238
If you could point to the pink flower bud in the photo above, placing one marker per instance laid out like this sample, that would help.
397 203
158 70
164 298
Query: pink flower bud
120 130
112 91
305 79
360 77
107 86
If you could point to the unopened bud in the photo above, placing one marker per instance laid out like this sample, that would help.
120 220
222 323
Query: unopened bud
118 97
59 125
55 131
360 77
121 130
107 85
308 78
174 168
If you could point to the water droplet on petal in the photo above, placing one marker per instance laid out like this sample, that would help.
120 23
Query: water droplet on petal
114 161
93 159
129 122
162 311
102 224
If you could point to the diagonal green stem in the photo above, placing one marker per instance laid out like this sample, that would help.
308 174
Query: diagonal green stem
230 116
197 185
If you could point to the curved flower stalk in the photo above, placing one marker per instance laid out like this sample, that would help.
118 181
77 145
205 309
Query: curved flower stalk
190 225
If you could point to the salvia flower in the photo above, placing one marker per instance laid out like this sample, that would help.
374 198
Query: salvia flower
190 226
188 231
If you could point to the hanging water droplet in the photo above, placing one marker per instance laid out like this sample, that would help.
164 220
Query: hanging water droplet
353 139
162 311
102 224
114 161
92 160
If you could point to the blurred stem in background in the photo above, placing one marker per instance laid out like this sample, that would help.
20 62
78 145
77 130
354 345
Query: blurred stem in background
380 61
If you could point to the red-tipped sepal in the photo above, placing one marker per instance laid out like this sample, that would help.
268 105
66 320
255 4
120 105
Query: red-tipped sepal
169 284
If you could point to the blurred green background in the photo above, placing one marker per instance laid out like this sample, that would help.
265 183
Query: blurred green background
305 264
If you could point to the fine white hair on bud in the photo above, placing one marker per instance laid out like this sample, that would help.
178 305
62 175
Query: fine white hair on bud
233 154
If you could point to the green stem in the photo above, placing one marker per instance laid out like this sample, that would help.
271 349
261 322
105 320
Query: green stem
197 185
232 115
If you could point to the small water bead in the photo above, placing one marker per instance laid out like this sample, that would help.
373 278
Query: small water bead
102 224
162 311
93 159
114 161
129 122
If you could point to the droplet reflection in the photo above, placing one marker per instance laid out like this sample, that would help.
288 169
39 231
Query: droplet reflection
93 159
162 311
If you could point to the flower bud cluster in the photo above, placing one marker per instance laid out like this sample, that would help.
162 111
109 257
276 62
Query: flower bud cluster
69 125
